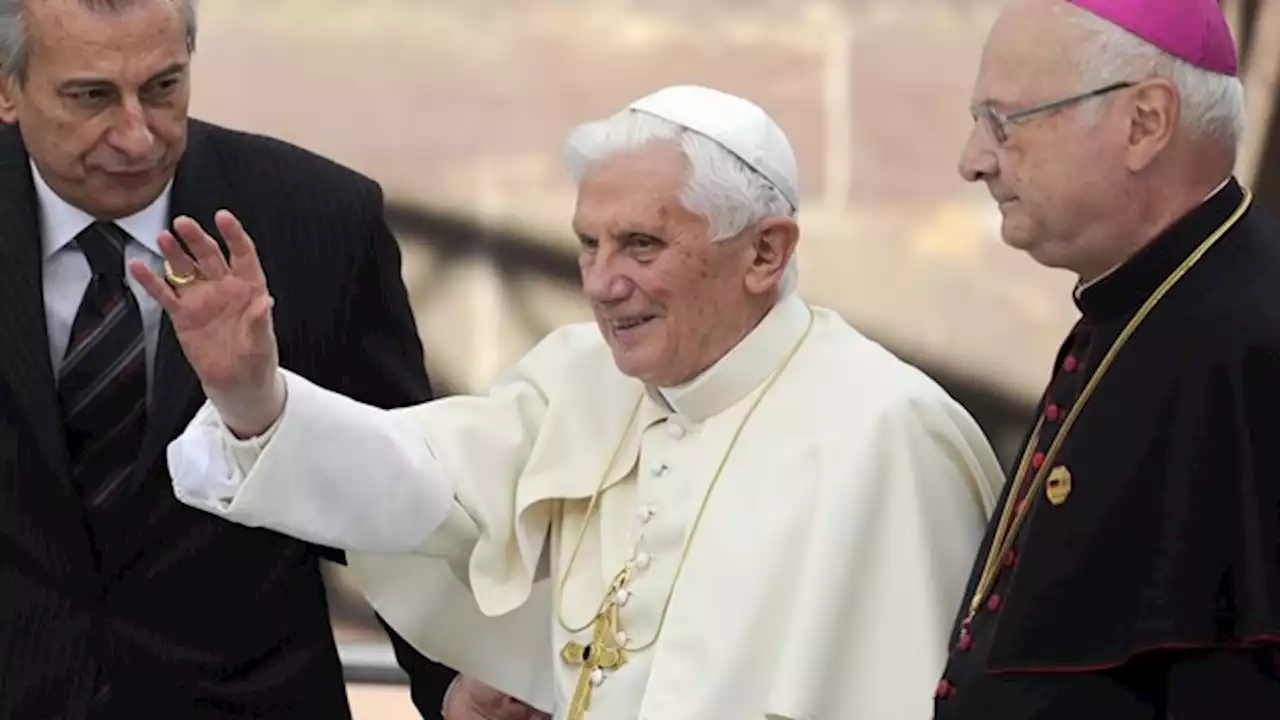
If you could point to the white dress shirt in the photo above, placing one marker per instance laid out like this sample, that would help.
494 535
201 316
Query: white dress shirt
67 273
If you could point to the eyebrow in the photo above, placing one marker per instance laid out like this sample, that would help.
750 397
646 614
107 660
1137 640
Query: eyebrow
80 83
624 233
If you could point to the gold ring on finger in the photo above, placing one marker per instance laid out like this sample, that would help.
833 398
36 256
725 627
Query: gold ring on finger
176 279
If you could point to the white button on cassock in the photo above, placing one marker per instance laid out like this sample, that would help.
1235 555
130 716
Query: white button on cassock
675 430
645 513
642 560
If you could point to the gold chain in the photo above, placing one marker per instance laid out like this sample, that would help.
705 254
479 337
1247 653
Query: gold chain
1006 531
688 545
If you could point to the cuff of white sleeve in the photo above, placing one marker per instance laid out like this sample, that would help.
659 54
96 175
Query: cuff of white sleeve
199 465
244 453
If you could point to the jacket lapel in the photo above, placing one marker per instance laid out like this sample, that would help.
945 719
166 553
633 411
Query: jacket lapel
199 190
26 373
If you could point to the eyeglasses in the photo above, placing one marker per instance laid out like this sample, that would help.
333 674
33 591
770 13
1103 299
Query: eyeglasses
997 122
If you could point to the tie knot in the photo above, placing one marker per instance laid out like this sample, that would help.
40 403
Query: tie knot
103 244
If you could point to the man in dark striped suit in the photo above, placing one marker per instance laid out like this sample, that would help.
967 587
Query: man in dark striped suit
116 601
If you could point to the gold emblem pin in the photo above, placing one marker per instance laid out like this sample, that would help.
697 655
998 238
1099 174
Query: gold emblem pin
1058 486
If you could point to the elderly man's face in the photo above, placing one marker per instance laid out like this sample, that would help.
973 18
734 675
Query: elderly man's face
1056 171
103 108
668 301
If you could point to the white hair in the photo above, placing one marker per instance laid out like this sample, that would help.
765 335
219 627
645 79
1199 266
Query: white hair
721 188
1212 103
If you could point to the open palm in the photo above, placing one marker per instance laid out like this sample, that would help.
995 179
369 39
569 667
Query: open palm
219 306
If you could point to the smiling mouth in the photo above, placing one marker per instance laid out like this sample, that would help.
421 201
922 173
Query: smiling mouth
629 323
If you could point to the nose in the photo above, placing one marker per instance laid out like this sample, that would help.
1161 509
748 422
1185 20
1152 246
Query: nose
131 135
977 159
602 282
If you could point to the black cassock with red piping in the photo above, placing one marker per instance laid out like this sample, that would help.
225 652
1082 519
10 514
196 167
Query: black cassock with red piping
1132 571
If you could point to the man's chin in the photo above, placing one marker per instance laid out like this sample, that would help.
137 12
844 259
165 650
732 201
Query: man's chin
125 199
1019 237
634 363
628 364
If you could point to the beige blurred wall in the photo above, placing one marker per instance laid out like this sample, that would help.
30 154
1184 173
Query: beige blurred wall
462 104
381 702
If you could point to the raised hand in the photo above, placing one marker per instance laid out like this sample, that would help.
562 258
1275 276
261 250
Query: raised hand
221 314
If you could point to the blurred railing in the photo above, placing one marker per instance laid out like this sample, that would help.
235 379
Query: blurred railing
370 663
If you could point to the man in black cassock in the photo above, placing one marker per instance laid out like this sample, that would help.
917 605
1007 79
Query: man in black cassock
1132 571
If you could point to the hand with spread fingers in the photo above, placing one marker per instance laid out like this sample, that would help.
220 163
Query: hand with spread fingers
221 314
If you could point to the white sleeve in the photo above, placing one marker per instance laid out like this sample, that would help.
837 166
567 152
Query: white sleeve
331 471
424 499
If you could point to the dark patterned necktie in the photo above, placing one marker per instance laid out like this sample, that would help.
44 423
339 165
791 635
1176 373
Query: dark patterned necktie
103 381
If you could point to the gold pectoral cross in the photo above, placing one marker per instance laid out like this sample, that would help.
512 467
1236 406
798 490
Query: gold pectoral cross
602 653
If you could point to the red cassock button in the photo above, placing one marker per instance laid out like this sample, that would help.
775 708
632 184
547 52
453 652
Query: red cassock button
1052 413
1037 460
945 690
1011 558
965 644
993 603
1070 363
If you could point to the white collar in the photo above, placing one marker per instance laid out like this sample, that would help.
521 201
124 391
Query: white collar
744 367
61 222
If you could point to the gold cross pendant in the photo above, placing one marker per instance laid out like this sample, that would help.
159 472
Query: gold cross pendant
602 653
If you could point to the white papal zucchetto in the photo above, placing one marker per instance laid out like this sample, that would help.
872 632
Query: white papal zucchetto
738 125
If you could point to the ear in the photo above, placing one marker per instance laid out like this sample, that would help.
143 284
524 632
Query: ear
8 98
772 247
1155 114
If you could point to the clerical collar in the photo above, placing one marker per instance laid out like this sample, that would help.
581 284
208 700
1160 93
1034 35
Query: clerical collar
743 368
1125 288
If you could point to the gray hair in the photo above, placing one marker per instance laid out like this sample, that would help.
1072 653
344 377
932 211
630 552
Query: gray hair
721 188
13 30
1212 104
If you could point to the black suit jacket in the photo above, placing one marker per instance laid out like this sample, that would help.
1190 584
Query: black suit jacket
172 612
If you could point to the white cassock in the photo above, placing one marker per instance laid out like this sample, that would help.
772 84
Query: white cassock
821 581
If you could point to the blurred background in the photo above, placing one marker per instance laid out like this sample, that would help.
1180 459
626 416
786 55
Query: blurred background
459 108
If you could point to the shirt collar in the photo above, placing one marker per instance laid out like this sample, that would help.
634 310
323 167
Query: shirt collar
742 369
61 222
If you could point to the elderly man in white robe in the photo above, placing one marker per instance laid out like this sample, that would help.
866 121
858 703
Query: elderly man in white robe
715 501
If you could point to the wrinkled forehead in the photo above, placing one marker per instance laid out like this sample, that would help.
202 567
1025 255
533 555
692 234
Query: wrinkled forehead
66 32
636 191
1028 57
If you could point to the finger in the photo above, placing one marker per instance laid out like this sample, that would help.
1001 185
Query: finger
178 259
207 254
244 255
259 314
155 287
